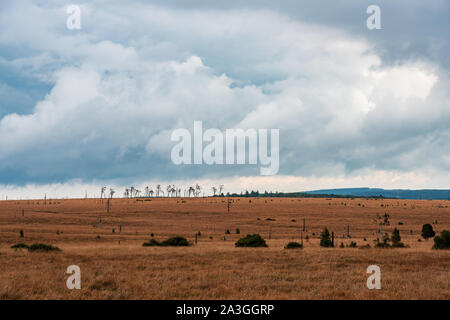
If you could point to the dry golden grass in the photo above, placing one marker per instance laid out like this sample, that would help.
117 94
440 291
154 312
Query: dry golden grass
116 266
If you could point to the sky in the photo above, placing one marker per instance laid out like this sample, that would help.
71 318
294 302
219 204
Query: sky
96 106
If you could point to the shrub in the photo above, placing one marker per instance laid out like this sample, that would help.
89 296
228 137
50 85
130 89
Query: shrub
21 233
395 238
398 245
442 241
19 246
325 239
383 244
42 247
294 245
427 231
151 243
352 244
238 231
251 240
171 242
228 231
342 245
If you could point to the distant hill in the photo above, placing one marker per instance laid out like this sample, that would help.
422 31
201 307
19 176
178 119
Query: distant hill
426 194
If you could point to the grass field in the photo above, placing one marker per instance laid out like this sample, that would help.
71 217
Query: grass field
114 265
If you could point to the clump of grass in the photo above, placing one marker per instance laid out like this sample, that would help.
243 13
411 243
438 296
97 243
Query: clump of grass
251 240
293 245
171 242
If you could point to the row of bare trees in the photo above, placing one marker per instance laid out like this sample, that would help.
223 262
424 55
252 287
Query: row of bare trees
103 192
171 191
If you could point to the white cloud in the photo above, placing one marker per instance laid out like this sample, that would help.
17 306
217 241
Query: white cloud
133 74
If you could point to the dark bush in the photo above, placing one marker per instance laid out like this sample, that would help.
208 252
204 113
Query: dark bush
294 245
19 246
398 245
395 238
171 242
228 231
251 240
175 241
427 231
42 247
352 244
325 239
151 243
238 231
442 241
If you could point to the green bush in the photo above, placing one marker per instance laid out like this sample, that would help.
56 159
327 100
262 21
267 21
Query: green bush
238 231
294 245
251 240
42 247
427 231
442 241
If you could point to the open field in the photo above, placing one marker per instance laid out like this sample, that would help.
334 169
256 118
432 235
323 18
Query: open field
114 265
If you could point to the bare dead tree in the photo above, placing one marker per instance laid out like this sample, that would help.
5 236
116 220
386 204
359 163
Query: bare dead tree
103 192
